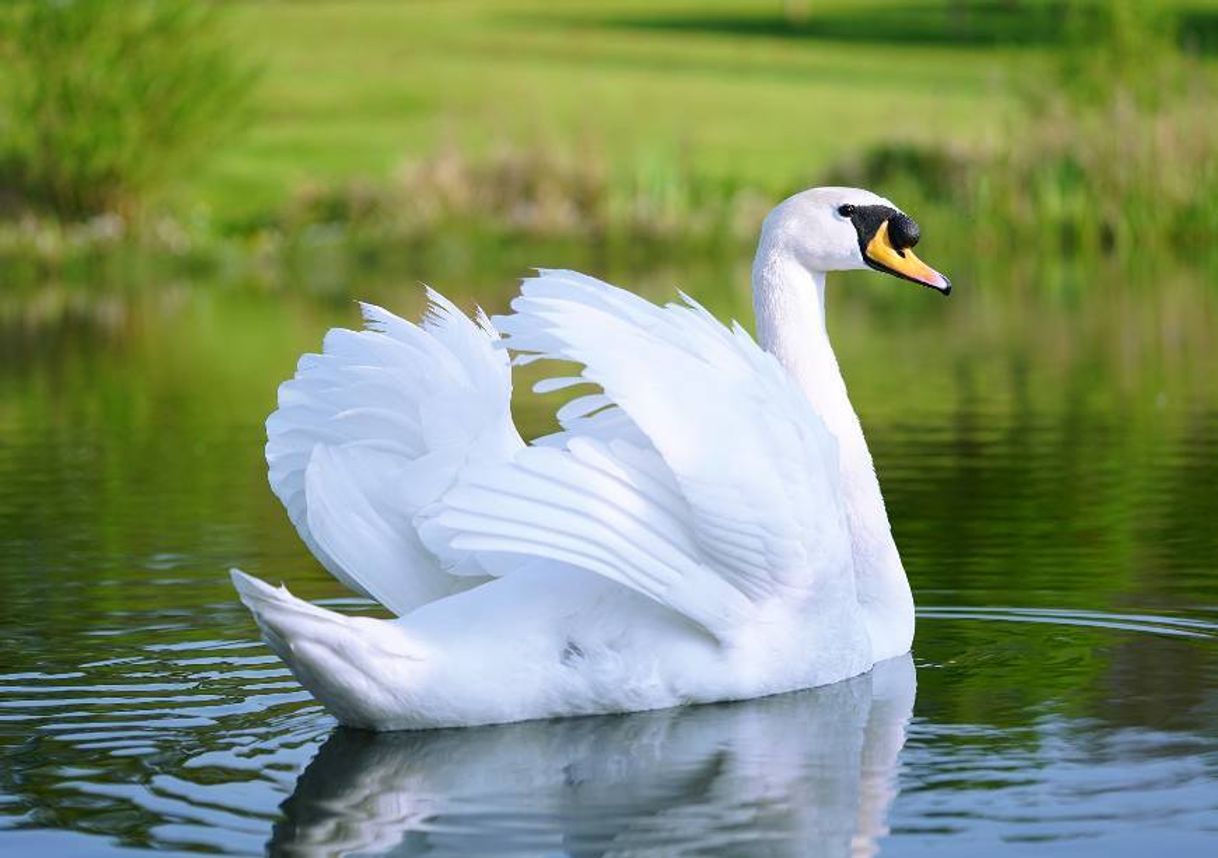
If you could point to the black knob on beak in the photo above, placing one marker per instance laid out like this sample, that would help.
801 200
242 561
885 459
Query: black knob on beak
903 231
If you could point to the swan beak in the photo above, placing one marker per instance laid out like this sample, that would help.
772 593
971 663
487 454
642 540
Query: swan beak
883 256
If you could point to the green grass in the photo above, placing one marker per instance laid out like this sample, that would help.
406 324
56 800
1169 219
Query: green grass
676 106
354 87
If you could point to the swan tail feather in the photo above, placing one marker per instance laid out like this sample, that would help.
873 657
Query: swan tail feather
348 663
281 617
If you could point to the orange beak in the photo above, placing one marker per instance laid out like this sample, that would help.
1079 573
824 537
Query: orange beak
883 256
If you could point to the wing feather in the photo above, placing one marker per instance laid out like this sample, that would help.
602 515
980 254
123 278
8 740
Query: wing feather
377 427
563 505
698 475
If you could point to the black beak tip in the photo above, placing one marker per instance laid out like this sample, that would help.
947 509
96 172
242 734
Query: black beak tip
947 287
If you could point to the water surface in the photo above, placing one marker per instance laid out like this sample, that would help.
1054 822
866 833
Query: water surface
1049 452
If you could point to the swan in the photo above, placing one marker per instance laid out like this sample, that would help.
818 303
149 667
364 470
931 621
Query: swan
705 526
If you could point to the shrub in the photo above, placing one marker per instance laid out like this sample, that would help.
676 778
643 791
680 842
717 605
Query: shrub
104 102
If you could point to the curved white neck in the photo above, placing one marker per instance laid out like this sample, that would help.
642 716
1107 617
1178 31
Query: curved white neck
789 302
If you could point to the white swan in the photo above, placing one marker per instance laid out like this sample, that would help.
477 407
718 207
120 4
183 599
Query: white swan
706 526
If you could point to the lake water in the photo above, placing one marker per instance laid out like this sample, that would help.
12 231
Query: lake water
1048 446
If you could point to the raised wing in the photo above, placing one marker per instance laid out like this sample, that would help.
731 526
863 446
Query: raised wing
698 474
375 428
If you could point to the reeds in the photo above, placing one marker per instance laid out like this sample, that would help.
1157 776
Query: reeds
1113 149
1116 180
1107 179
531 192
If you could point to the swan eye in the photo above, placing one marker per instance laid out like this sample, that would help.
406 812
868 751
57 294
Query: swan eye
846 211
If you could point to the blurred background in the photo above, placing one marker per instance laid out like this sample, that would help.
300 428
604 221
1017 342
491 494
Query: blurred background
192 192
266 133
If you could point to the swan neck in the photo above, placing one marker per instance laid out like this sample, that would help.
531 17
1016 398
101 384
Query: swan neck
789 303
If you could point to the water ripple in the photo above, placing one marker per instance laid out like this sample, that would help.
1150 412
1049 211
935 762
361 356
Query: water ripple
1170 626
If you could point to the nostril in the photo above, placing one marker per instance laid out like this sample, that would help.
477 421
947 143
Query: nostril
903 231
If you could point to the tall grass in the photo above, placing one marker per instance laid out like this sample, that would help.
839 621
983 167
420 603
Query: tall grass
531 192
1125 49
1118 179
1114 151
103 103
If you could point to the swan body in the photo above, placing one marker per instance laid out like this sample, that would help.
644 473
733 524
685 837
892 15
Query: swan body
706 526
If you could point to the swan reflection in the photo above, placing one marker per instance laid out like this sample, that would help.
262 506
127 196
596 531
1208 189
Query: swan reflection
808 773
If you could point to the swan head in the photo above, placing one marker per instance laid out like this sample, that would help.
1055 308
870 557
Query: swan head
843 229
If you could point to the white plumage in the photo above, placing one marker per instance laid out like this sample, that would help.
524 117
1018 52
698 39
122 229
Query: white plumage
706 525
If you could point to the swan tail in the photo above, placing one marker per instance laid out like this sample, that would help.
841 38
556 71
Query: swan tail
375 428
348 663
281 617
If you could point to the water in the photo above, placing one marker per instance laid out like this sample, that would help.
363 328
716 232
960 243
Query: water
1050 459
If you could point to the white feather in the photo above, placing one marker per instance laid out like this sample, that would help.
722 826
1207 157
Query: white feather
375 428
755 466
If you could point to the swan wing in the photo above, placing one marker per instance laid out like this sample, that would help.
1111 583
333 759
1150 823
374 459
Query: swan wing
604 506
375 428
698 474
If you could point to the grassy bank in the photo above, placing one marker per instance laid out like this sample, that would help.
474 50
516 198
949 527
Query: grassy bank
352 89
380 127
